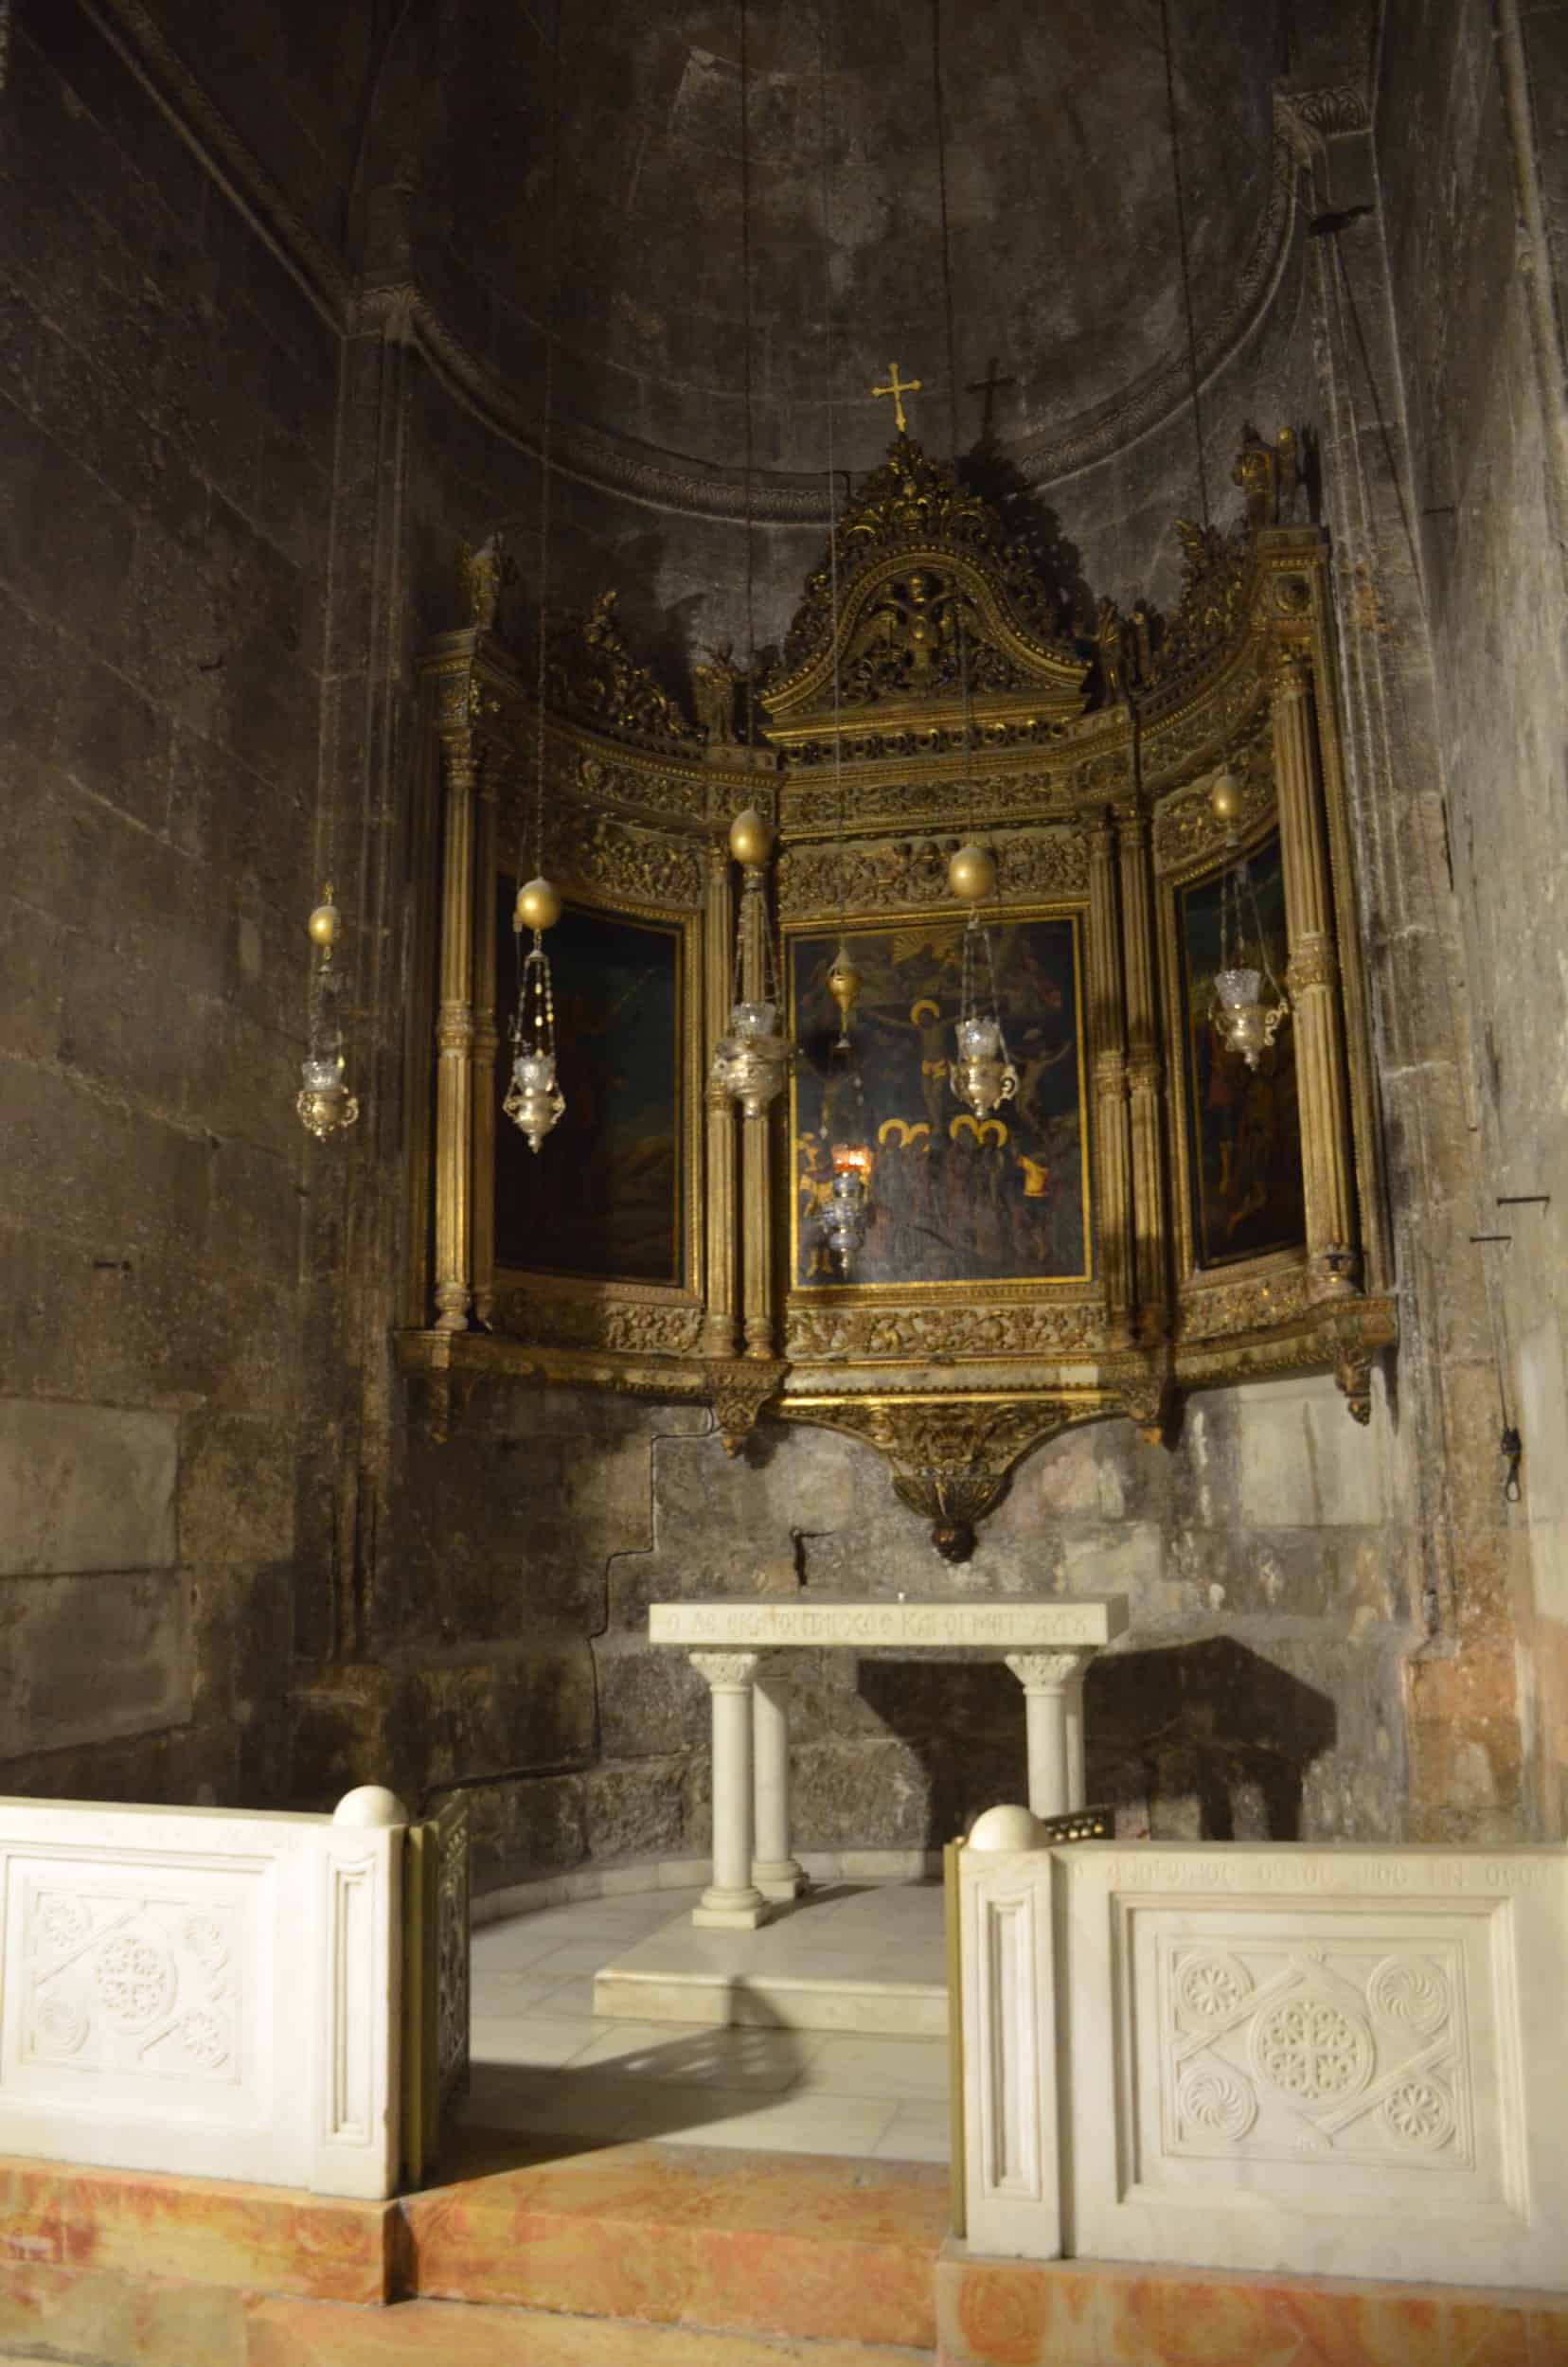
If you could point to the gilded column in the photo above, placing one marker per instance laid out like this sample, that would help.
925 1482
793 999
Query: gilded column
486 1041
1108 1035
757 1134
455 1037
723 1292
1313 979
1146 1083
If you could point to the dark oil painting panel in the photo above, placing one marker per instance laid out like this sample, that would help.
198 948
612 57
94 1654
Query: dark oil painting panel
1248 1197
601 1198
954 1201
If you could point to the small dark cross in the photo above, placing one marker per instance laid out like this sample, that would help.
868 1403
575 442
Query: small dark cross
990 385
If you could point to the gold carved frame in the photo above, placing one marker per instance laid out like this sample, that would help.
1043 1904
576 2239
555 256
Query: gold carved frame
1098 807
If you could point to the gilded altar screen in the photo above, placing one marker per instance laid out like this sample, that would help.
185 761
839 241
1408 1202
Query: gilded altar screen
1244 1164
606 1204
956 1200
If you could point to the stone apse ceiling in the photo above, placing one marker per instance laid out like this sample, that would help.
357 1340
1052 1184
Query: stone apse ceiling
1065 256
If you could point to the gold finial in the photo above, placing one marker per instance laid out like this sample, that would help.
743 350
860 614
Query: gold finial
898 388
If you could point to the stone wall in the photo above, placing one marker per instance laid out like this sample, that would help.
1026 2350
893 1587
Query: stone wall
166 414
1472 159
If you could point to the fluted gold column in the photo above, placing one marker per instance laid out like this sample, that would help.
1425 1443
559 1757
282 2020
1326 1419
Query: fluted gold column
724 1295
1313 979
757 1134
1144 1082
486 1040
454 1035
1108 1037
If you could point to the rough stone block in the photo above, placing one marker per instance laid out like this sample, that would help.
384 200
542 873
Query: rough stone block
236 1489
652 1701
90 1658
85 1488
637 1811
536 1827
1302 1462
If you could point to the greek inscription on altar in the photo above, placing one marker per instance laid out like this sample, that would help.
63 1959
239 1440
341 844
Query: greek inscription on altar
899 1626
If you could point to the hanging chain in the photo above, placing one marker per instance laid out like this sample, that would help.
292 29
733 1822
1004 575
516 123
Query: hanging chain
829 364
940 111
552 227
1186 257
536 1010
746 375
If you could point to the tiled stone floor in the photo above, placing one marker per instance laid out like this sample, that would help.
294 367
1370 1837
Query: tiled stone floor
542 2062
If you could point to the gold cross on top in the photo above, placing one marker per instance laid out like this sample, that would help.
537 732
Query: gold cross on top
898 388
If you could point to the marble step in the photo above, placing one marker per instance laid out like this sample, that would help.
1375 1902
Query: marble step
806 2247
456 2333
845 1957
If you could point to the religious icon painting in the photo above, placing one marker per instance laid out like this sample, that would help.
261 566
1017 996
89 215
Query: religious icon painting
956 1200
1246 1191
603 1203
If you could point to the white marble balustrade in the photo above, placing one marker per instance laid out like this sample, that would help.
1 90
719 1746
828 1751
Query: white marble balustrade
207 1990
1338 2060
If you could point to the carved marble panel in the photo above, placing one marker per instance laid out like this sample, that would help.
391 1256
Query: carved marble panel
205 1992
1334 2061
1279 2053
1292 2049
145 1983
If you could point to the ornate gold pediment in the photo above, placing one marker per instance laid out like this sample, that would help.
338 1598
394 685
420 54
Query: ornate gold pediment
592 677
930 589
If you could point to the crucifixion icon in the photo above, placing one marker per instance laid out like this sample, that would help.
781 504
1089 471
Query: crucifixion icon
897 388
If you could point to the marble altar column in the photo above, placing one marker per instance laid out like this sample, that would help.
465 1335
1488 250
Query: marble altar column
1052 1698
731 1902
773 1870
1077 1774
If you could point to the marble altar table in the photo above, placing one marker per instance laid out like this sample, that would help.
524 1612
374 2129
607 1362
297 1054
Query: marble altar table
1048 1644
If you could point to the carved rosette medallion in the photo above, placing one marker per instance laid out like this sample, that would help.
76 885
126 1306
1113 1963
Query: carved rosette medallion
1216 2101
1311 2048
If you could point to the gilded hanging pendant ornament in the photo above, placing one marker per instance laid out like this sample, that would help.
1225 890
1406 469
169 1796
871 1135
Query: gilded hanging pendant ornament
534 1101
324 1104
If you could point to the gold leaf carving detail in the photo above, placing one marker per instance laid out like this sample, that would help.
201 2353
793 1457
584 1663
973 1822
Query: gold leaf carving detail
625 1327
592 674
592 851
906 1333
897 874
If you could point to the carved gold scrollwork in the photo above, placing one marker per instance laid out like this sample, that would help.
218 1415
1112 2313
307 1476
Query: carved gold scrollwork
908 1333
630 1326
894 875
912 504
1187 830
739 1387
589 851
952 1460
1215 570
592 674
